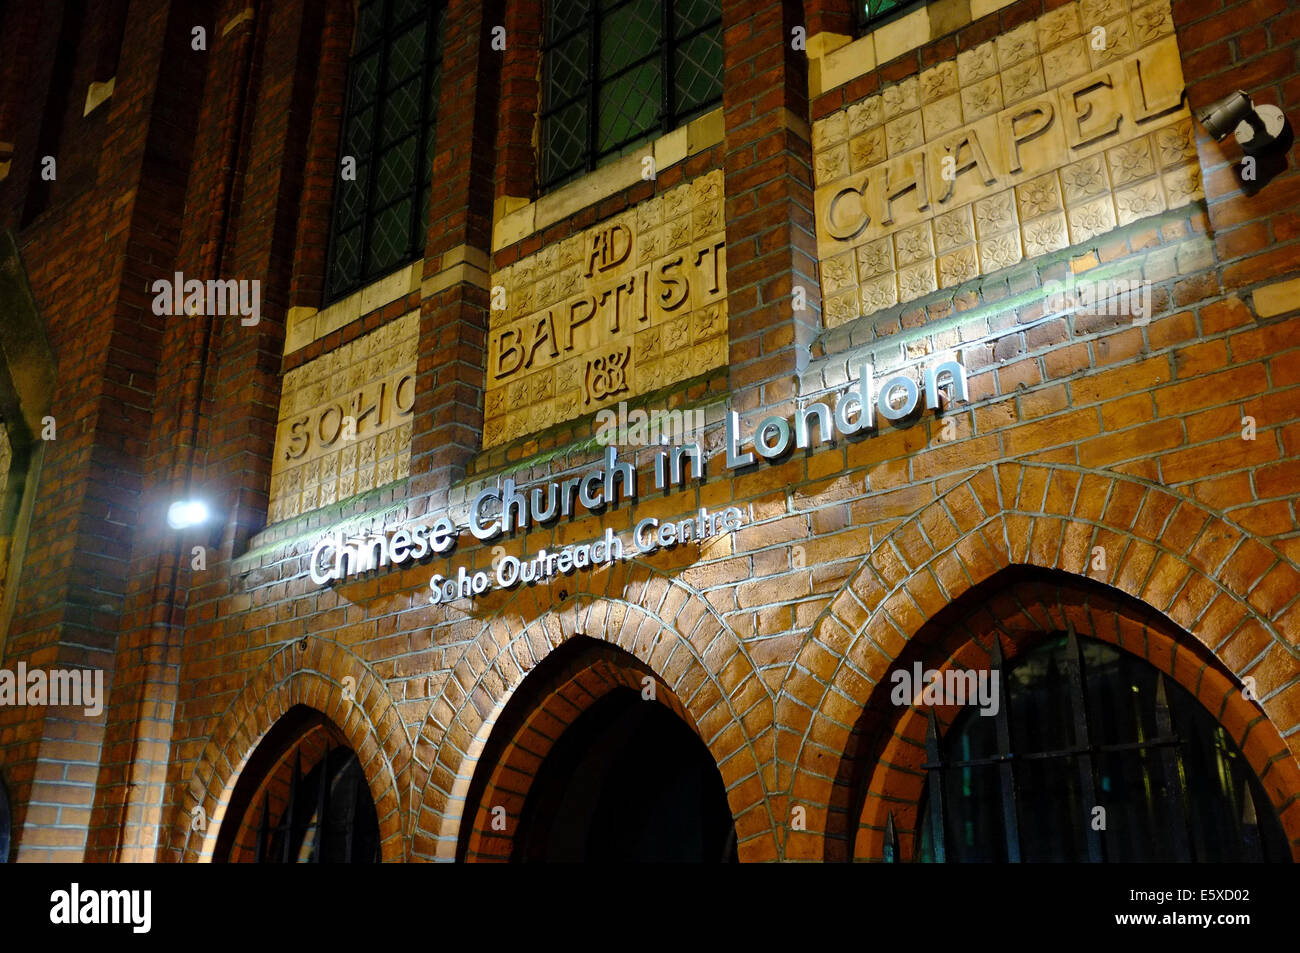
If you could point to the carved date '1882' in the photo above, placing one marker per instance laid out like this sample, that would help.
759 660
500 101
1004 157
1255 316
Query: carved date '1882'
607 376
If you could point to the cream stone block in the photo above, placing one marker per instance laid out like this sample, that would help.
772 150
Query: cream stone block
1279 298
513 226
897 37
97 94
843 64
706 132
300 330
671 149
588 190
820 44
982 8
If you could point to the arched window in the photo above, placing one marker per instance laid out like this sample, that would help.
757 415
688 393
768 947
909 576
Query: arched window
618 72
1091 754
386 148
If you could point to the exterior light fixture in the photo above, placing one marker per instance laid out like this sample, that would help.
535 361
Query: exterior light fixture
1256 128
186 513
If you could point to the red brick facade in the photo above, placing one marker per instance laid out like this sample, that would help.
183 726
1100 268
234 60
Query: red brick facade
1081 432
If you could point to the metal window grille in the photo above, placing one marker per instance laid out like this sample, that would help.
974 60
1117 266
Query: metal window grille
1081 725
329 817
618 72
871 13
379 217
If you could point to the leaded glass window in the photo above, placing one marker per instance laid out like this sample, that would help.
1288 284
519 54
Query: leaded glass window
616 73
380 216
1092 755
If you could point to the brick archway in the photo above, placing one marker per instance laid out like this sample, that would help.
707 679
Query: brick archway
1206 575
581 683
1018 615
662 623
318 676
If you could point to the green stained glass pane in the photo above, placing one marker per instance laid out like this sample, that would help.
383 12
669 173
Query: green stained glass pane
564 141
352 197
440 34
629 106
345 265
370 24
566 69
563 16
403 10
390 238
875 9
690 15
365 81
401 112
628 34
358 138
698 77
395 174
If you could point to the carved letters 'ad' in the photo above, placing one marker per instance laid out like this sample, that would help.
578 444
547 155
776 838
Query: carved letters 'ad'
633 304
345 421
1042 138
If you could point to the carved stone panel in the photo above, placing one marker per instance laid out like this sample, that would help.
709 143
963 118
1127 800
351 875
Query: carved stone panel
628 306
345 421
1046 136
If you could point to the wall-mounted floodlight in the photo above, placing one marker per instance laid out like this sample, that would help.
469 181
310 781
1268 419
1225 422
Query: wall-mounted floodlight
1256 128
186 513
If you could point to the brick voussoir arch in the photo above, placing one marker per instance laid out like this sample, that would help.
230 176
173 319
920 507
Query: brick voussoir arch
1178 556
513 774
667 626
312 676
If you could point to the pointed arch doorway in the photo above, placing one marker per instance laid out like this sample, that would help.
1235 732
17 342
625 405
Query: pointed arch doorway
595 759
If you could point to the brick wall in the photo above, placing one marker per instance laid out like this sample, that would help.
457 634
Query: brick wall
1083 430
